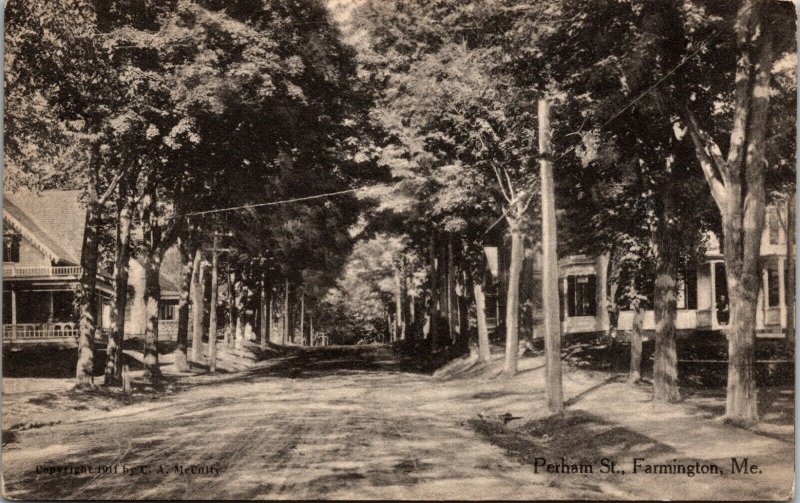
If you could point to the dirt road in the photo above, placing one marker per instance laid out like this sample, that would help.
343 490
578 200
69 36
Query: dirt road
332 423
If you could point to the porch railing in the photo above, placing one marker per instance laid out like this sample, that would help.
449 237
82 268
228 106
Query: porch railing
32 332
15 271
37 331
168 330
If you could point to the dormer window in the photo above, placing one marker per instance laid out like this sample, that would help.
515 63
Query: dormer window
10 247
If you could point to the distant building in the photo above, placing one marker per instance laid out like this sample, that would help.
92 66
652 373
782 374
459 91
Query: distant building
42 242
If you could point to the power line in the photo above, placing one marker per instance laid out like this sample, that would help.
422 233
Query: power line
284 201
658 82
703 46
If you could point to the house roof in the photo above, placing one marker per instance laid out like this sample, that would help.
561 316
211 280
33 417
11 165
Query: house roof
54 220
169 277
167 285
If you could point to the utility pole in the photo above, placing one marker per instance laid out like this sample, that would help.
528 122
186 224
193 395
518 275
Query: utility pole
552 325
285 335
212 318
266 318
212 315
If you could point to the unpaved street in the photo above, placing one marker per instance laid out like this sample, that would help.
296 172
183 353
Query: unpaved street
329 423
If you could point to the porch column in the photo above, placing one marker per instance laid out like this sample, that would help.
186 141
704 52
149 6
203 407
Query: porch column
714 320
13 313
565 308
782 291
50 305
602 289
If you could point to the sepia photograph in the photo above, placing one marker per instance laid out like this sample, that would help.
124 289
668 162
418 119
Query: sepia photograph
399 250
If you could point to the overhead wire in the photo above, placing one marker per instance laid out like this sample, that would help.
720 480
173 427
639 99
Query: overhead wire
283 201
527 190
703 45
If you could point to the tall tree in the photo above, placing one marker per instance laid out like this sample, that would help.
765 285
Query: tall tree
737 184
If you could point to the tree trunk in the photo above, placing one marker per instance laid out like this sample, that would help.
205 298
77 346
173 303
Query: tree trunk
241 314
791 304
84 369
737 186
288 326
444 307
452 302
398 303
665 359
125 205
156 243
743 230
270 313
512 299
187 269
388 336
302 318
434 294
228 335
484 351
502 285
212 306
407 329
463 312
198 284
636 343
612 279
552 323
152 299
412 322
743 285
266 320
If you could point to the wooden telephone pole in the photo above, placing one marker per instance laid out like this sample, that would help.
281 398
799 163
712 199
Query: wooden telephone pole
212 318
552 325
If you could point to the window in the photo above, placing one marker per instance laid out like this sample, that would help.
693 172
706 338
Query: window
773 288
166 312
774 225
10 247
687 290
581 295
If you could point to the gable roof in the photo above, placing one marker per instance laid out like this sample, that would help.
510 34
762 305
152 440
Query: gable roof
167 285
53 219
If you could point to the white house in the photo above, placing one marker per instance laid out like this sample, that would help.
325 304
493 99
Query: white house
42 241
702 291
